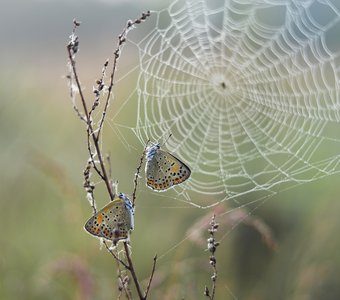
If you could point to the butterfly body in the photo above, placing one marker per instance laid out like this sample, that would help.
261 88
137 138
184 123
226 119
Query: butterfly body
114 221
164 170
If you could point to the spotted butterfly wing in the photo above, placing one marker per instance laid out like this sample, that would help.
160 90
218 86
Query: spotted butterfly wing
114 221
163 170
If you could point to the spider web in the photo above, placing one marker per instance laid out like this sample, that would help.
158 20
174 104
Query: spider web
249 91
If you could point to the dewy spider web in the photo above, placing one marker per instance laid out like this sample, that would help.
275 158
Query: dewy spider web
248 89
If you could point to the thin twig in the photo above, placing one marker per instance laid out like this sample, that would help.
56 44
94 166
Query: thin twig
89 187
90 131
123 282
113 185
135 181
117 52
89 149
73 47
115 256
108 158
132 271
74 43
100 86
151 276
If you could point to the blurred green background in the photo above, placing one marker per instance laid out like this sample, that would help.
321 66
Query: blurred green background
46 254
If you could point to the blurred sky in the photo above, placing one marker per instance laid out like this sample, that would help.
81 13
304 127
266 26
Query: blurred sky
32 32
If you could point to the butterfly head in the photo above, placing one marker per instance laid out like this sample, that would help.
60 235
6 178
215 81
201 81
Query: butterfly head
127 201
129 207
151 151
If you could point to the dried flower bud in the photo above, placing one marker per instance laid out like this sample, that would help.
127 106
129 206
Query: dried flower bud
120 284
206 291
212 260
76 23
211 246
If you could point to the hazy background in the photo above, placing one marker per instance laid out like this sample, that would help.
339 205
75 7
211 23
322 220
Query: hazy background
45 253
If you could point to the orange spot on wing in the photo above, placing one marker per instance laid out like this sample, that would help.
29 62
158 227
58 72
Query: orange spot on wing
99 219
151 183
175 168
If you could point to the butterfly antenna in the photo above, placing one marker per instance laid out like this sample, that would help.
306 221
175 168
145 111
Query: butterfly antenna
166 140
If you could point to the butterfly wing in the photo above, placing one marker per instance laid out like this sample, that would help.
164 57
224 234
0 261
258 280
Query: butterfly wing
113 222
165 170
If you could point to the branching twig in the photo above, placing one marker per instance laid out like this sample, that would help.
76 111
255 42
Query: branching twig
94 134
100 86
117 52
72 49
115 256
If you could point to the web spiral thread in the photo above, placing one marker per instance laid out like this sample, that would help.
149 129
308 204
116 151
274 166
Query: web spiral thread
249 90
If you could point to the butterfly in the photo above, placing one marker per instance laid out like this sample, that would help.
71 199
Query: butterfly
163 170
114 221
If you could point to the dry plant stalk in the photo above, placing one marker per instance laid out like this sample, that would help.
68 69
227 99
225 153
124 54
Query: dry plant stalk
212 246
96 160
